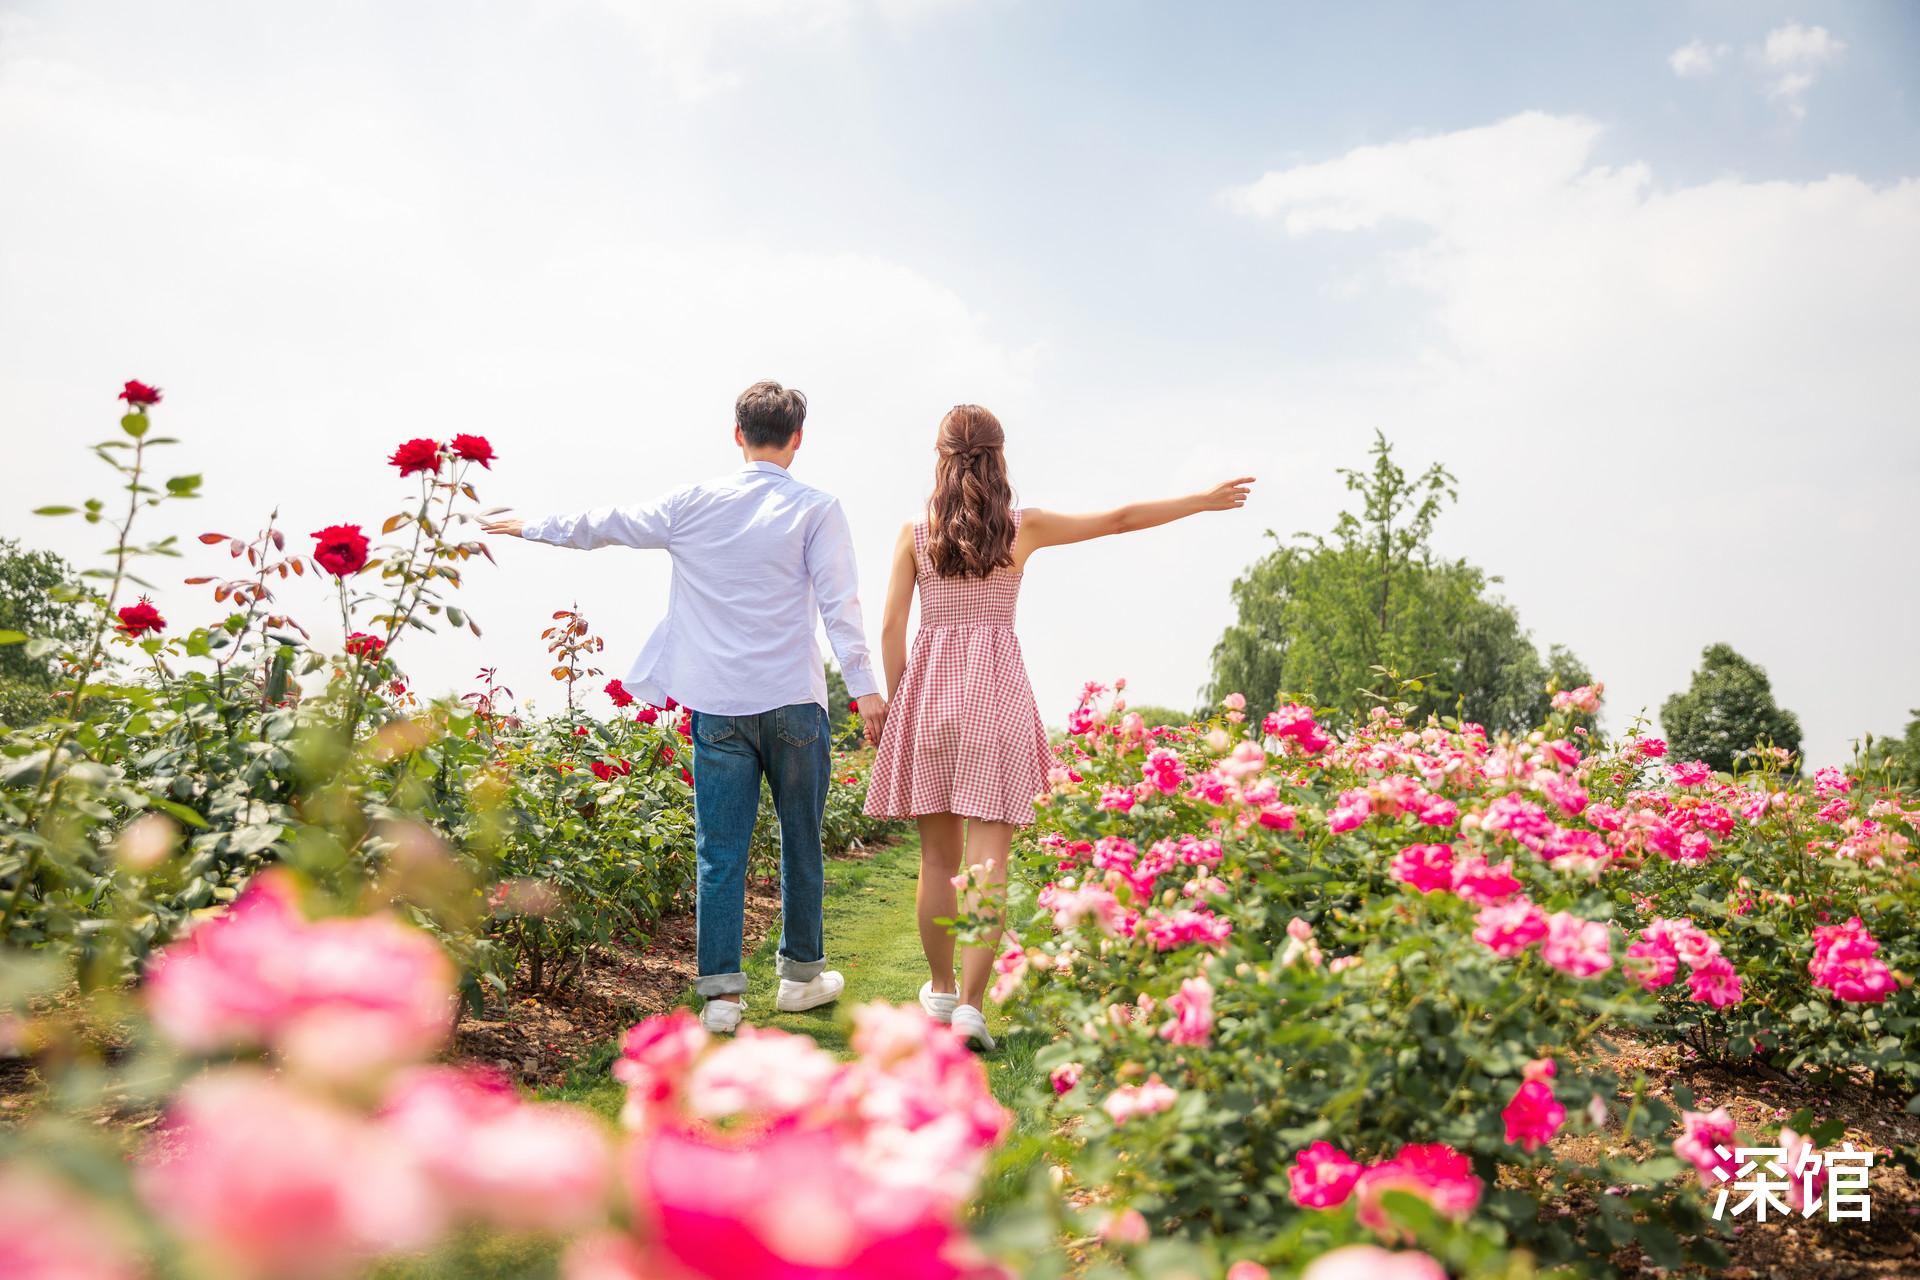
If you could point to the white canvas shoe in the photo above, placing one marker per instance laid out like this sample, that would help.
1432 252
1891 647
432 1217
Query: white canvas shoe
971 1025
825 988
722 1017
938 1005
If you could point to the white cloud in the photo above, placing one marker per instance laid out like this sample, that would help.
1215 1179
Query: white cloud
696 46
1791 56
1696 58
1708 384
1794 45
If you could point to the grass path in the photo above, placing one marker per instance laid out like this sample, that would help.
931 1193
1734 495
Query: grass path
873 940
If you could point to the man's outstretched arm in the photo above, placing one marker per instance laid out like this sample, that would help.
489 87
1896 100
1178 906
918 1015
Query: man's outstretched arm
640 524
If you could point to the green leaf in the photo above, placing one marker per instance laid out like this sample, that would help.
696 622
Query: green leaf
183 486
13 637
54 511
179 811
135 424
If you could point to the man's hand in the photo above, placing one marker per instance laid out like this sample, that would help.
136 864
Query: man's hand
505 528
873 713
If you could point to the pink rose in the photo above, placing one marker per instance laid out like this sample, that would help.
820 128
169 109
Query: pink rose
1580 948
1322 1176
1192 1010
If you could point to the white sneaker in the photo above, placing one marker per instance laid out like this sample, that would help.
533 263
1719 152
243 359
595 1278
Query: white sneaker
722 1017
938 1004
825 988
971 1024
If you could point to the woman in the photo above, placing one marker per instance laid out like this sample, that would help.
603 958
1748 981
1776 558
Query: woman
963 751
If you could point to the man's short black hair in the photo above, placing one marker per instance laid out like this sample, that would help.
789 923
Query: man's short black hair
768 414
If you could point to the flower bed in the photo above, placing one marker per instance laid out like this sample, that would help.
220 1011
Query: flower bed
1286 973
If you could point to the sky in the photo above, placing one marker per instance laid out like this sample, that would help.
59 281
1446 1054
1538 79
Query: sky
1642 275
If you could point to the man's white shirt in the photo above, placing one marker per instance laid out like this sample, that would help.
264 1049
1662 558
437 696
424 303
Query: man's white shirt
756 555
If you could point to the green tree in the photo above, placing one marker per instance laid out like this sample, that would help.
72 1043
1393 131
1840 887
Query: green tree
1327 616
1154 715
1890 761
1726 711
35 601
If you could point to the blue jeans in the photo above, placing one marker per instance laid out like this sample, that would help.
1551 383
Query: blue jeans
730 754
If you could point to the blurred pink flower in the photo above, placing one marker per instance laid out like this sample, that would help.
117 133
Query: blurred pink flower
1705 1143
1508 930
264 1181
50 1231
1192 1010
1580 948
1370 1262
338 998
1426 867
1533 1115
1131 1100
1475 881
512 1164
1322 1176
791 1204
1433 1171
1124 1227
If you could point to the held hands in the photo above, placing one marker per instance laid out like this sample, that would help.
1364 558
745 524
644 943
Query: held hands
873 714
1228 496
509 528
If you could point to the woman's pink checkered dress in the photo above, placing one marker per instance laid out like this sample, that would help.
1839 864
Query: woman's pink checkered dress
963 734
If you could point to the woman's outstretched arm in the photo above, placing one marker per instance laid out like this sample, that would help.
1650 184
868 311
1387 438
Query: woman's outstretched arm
1053 528
893 620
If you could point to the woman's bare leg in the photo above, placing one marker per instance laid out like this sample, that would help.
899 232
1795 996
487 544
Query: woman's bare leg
987 842
942 841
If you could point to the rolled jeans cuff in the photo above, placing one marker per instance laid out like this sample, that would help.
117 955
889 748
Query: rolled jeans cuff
721 984
797 970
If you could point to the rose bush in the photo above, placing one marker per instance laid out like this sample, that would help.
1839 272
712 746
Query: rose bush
1284 970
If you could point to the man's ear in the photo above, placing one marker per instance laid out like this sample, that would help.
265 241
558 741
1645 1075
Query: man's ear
794 443
738 438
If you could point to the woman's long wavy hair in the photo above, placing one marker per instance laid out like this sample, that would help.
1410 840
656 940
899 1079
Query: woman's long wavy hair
970 516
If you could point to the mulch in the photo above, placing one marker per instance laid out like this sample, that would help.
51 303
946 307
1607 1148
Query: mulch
1760 1100
538 1038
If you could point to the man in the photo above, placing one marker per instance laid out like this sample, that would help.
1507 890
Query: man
755 555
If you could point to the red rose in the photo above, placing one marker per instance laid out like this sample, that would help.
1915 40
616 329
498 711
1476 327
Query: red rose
671 705
854 705
647 715
138 619
362 645
140 395
473 449
686 777
666 755
340 549
397 688
601 770
618 692
416 455
580 731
